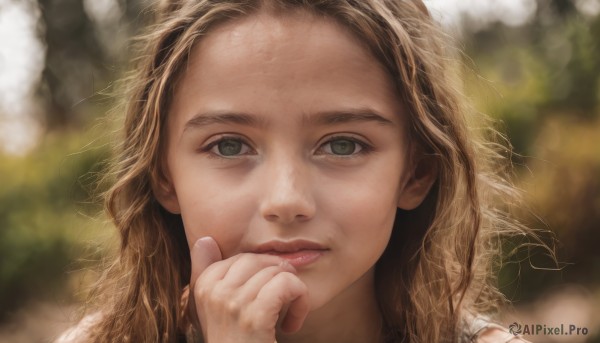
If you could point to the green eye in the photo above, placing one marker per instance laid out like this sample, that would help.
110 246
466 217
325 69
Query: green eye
229 147
343 147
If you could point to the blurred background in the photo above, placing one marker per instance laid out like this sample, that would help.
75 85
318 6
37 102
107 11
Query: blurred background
533 64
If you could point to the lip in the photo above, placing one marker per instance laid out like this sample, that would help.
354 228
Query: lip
298 253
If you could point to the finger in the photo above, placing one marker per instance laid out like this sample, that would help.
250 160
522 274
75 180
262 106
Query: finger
249 290
296 313
285 290
204 253
249 265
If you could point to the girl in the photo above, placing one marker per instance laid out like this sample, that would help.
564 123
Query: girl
299 171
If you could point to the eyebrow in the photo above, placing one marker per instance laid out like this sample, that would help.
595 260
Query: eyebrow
209 118
347 116
320 118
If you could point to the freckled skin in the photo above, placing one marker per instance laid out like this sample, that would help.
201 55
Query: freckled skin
286 183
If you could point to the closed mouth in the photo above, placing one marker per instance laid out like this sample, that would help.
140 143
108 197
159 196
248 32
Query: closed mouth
298 252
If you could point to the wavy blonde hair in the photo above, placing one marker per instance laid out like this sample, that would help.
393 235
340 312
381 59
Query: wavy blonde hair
438 265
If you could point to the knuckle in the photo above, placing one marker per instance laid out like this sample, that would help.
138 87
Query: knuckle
233 306
247 323
290 282
201 285
218 296
209 295
286 278
258 320
302 287
208 271
201 291
238 257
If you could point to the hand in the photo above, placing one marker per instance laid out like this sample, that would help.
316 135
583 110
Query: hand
245 297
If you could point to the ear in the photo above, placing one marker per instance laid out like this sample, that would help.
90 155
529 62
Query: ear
421 177
164 191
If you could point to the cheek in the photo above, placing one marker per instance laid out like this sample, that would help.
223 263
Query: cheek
368 196
210 210
368 224
365 225
365 208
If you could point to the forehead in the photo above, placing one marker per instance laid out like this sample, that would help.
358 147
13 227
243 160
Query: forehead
276 37
298 59
267 40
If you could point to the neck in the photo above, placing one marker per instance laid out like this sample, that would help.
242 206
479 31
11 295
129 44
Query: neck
353 316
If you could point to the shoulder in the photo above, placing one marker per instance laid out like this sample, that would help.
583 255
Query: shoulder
79 333
498 335
481 329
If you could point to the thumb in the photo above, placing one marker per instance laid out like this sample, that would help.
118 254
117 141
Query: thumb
204 253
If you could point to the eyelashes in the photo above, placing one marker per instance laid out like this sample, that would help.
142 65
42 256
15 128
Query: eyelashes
338 146
345 147
227 147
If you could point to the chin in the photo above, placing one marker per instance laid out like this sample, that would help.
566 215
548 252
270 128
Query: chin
319 296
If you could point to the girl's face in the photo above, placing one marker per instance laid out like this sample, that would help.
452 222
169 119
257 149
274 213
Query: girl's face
286 136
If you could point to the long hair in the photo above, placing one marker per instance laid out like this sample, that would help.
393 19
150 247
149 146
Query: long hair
437 267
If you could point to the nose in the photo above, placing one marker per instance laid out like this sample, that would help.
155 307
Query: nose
287 195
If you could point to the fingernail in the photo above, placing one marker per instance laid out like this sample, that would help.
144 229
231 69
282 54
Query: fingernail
203 240
286 265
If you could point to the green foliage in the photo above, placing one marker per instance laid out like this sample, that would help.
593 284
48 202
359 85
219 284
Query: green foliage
543 82
535 72
564 186
45 212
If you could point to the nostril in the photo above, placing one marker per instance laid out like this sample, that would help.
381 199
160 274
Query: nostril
288 214
286 195
271 217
